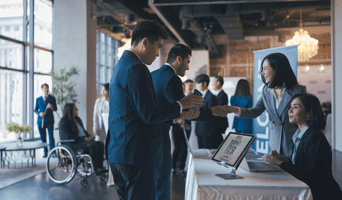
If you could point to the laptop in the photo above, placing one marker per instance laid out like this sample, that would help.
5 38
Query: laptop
257 165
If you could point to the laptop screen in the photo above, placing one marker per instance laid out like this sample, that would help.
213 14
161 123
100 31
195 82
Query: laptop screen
233 148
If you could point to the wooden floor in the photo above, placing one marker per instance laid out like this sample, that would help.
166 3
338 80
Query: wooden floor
41 187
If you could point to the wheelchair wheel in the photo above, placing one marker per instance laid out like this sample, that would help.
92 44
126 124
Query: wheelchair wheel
61 164
84 182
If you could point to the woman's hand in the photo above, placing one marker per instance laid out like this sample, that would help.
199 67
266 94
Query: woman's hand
88 139
275 158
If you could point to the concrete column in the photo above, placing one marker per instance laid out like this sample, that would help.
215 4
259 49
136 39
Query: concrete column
336 59
75 45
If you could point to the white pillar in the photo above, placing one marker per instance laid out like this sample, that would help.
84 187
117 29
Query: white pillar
75 45
336 45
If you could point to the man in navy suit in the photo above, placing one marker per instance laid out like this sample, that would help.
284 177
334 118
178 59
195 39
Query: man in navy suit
205 130
168 88
44 107
134 144
222 99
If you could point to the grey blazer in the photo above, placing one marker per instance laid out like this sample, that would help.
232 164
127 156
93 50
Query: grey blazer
281 130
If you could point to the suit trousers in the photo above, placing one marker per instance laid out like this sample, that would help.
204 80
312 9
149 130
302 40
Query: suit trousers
180 151
133 182
42 132
206 142
164 171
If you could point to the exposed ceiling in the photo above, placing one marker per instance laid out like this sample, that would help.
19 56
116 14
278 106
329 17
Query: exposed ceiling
195 22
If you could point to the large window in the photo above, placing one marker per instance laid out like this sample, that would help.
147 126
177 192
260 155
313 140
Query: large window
20 79
106 58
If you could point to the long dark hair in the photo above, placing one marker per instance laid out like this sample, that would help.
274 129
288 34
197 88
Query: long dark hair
68 113
312 105
242 88
283 72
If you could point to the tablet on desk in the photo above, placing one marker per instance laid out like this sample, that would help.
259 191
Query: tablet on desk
232 151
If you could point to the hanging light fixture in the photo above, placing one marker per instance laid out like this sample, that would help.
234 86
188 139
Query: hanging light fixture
307 46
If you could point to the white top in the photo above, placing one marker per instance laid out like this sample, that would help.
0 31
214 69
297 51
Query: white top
216 92
101 106
81 132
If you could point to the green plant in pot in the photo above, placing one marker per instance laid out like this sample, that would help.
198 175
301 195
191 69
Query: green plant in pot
63 86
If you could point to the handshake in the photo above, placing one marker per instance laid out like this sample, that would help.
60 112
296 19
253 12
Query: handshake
194 102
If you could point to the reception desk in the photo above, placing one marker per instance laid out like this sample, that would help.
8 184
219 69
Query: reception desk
202 184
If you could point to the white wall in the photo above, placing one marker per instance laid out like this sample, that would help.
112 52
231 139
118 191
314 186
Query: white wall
336 58
75 45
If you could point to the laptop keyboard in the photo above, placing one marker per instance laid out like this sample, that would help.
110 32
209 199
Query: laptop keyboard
259 165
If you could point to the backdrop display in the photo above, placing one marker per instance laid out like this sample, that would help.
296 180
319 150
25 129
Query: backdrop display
261 124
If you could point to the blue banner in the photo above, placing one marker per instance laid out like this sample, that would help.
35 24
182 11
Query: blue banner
261 124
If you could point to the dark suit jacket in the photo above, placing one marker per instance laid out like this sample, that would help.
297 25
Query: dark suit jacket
221 122
68 132
168 89
313 166
134 136
207 128
41 107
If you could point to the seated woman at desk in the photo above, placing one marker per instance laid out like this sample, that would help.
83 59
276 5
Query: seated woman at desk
71 127
311 158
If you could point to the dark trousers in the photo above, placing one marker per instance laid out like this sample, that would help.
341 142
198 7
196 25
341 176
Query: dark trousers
206 142
163 172
180 151
95 150
134 182
42 132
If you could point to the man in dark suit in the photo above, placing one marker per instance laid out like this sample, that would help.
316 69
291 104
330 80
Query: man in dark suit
134 144
44 107
168 88
205 130
222 99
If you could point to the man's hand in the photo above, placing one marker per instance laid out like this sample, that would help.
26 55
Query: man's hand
231 109
190 114
50 106
191 100
272 160
219 111
180 121
96 133
41 114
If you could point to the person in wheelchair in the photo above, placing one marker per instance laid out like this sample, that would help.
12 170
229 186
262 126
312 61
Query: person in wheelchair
71 128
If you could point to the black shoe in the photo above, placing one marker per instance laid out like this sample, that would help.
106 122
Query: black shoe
45 155
174 172
183 173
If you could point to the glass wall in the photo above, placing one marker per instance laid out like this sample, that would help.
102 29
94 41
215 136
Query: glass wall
17 74
106 58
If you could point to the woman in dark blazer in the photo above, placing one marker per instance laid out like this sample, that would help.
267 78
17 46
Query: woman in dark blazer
311 159
280 86
71 127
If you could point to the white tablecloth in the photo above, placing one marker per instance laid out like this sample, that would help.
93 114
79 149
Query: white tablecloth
201 183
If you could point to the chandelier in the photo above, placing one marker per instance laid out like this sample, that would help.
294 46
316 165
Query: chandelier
307 46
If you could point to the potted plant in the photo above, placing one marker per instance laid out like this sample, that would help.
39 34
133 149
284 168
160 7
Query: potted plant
18 130
63 87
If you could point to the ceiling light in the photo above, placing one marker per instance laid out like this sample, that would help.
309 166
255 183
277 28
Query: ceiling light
307 68
307 46
321 68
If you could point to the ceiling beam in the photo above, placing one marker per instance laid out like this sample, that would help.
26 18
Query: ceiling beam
208 2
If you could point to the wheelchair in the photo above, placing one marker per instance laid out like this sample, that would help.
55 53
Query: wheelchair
63 164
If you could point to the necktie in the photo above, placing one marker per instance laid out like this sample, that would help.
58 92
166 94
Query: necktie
295 150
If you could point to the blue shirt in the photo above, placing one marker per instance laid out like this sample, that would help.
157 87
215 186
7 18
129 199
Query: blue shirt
296 140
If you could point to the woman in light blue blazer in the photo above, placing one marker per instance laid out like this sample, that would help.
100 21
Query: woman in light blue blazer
280 86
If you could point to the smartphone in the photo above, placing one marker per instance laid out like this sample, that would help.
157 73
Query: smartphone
197 93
